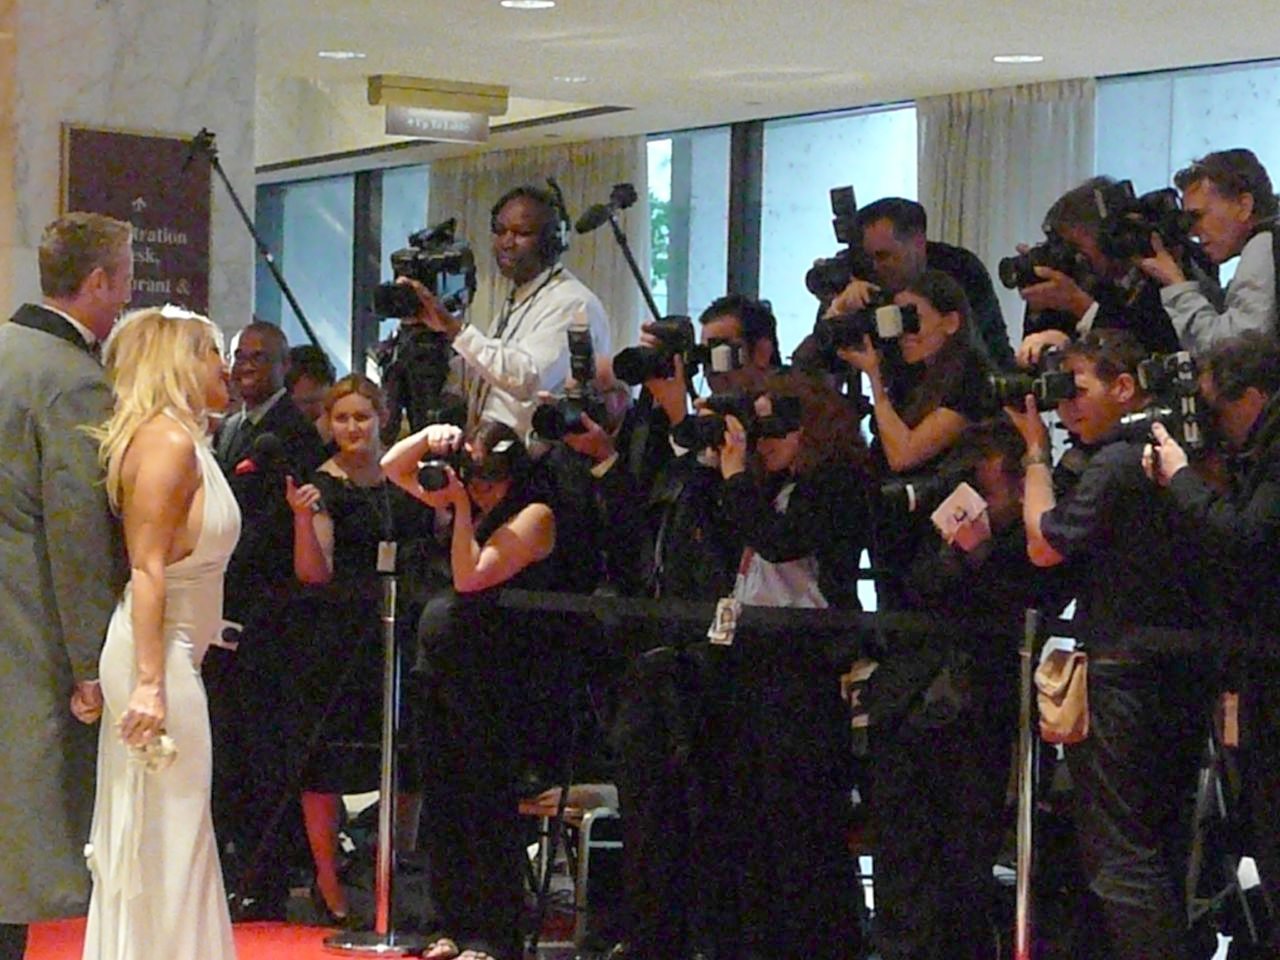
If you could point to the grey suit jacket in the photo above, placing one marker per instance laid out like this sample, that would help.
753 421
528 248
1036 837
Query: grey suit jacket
61 571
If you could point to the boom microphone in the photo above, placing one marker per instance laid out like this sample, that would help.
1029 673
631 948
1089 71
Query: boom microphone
622 196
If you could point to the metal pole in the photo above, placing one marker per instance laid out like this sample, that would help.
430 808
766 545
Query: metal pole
621 237
383 941
1022 930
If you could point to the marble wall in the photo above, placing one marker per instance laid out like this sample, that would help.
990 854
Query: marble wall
150 66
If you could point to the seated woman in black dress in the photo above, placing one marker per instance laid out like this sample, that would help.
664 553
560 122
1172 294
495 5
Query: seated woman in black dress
491 678
339 519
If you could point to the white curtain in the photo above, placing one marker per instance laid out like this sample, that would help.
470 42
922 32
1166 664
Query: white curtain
467 188
991 162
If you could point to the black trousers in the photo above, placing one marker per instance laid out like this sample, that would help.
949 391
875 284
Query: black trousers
735 805
937 802
253 725
13 941
493 697
1134 779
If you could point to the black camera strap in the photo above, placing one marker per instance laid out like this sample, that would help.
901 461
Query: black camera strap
512 312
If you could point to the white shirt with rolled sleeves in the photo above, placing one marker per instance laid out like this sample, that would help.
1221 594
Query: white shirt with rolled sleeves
1251 300
530 351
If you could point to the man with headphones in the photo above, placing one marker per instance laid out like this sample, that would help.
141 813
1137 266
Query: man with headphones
526 349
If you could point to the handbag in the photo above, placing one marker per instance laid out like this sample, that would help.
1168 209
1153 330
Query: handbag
1062 693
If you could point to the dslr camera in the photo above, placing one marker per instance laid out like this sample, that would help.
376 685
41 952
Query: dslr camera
922 494
432 474
438 260
706 431
676 338
1019 271
881 319
1050 384
1128 221
827 277
1172 381
551 421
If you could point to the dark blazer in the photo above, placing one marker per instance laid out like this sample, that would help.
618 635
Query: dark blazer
261 569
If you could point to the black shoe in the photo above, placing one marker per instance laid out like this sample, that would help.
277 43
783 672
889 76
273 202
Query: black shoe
246 908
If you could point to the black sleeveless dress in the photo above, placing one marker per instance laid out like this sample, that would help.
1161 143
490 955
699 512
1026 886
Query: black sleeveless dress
338 632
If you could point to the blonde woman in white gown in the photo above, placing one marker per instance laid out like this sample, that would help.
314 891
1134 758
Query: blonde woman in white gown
157 884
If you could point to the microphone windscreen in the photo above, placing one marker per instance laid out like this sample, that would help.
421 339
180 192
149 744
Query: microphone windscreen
595 216
267 452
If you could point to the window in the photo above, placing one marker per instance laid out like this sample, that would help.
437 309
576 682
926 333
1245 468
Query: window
309 227
874 151
1151 126
689 217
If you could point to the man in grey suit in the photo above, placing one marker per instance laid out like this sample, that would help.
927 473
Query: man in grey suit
61 568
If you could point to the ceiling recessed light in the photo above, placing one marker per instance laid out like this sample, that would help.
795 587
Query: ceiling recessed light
528 4
341 55
1018 58
571 79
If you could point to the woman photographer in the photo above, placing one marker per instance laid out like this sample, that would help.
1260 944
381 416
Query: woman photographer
926 390
923 404
799 498
492 678
340 517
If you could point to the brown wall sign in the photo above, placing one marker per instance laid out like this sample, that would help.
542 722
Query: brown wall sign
149 181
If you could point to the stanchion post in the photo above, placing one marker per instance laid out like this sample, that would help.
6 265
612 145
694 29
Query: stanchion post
383 941
1027 741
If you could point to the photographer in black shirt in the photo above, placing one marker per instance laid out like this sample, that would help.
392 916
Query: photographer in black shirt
1134 772
921 405
944 717
1233 540
1100 292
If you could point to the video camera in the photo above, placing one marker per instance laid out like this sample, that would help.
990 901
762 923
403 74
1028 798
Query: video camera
1050 384
551 421
1172 381
706 431
1019 271
676 338
1128 221
439 261
827 277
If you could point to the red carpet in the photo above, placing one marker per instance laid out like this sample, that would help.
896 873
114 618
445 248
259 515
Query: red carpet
63 939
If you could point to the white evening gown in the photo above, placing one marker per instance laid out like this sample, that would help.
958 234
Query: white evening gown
157 883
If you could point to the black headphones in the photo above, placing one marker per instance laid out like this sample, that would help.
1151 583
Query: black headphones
554 238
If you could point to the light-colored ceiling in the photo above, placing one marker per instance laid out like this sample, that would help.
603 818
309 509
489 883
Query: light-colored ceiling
689 63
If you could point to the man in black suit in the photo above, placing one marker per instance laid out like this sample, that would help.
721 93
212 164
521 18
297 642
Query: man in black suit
61 568
258 446
891 232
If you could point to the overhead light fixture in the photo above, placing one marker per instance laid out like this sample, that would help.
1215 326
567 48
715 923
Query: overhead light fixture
571 79
341 55
1018 58
528 4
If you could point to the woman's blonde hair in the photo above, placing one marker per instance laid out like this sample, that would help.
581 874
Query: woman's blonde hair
155 362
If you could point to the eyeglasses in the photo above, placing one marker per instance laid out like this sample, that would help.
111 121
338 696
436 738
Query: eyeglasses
257 358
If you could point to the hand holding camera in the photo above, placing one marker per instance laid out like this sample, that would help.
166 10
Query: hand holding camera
865 357
1163 457
733 451
429 312
856 295
1032 427
1035 345
1161 266
1056 291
